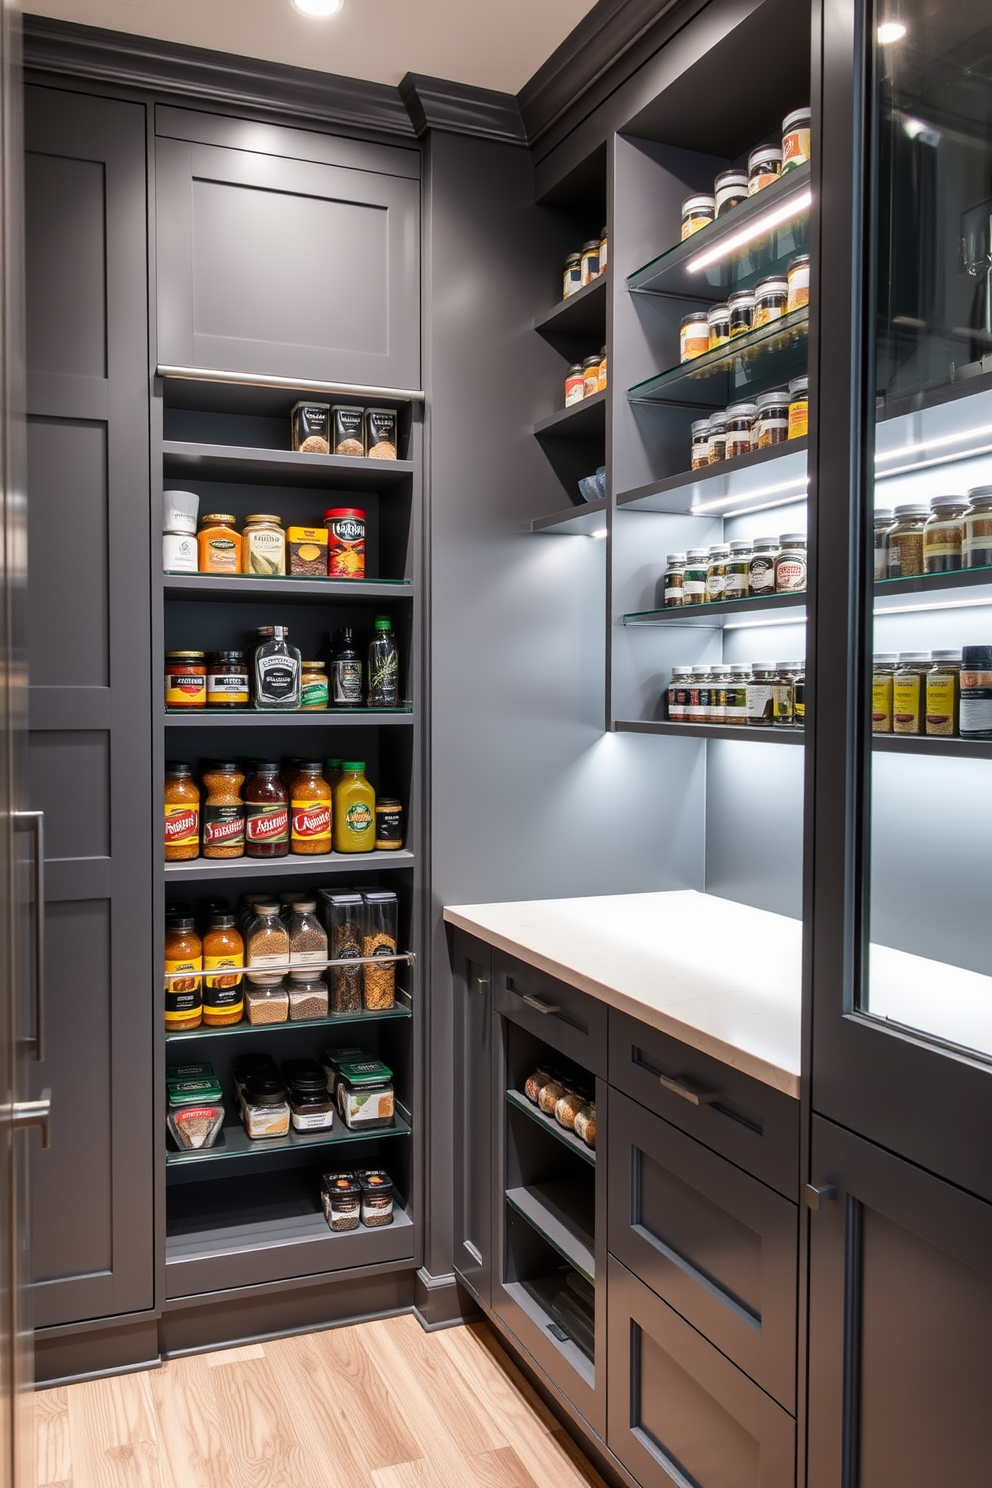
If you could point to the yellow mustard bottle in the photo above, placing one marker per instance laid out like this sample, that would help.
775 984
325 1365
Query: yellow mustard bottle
354 810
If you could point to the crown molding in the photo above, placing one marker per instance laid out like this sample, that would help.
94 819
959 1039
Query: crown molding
434 103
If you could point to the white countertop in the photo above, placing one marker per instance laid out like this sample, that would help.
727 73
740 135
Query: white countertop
718 975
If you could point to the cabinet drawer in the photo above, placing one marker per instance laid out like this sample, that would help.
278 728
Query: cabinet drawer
678 1411
718 1246
752 1124
565 1018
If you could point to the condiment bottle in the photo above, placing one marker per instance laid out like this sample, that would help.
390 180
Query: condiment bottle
604 370
975 717
384 665
313 687
673 580
310 806
276 670
943 534
219 544
764 166
182 813
718 438
977 538
345 682
795 139
884 664
702 693
227 680
590 376
741 304
694 576
716 571
572 279
354 810
770 299
263 552
905 540
771 420
882 521
589 268
677 695
266 813
908 690
943 694
798 277
223 961
761 694
185 679
737 570
575 387
183 953
799 698
223 812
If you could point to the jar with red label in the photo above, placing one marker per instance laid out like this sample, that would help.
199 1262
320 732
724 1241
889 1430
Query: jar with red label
223 811
345 542
182 813
790 563
310 806
185 679
575 385
266 813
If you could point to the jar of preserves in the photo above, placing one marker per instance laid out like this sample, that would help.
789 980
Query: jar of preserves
771 420
266 813
314 695
227 680
589 264
790 563
604 250
673 580
677 695
882 522
183 963
223 965
694 336
741 305
740 417
884 664
223 811
764 166
700 431
575 387
770 298
797 275
697 564
737 570
905 540
718 320
717 438
310 806
572 279
697 212
975 714
730 189
219 544
795 139
716 571
388 824
976 545
185 679
943 534
590 376
761 694
182 813
942 694
263 546
761 570
799 408
909 691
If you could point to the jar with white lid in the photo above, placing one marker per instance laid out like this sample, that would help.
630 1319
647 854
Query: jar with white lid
905 540
740 418
718 438
719 684
770 298
741 304
976 544
943 534
761 577
697 562
764 166
771 420
883 520
795 139
697 212
737 570
699 696
909 691
883 669
760 694
797 276
716 571
694 335
719 324
674 580
790 563
730 189
736 709
677 696
180 553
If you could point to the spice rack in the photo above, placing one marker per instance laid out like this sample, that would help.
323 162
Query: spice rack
259 1220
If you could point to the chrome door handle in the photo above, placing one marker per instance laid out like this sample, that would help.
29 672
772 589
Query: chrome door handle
482 985
817 1194
26 1114
688 1091
35 822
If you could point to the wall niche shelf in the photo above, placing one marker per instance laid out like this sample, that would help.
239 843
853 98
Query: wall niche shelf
585 520
582 314
583 420
763 478
273 467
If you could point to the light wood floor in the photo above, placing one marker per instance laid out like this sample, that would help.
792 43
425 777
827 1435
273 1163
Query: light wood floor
377 1405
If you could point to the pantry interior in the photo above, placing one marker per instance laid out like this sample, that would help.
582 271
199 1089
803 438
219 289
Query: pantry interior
643 1205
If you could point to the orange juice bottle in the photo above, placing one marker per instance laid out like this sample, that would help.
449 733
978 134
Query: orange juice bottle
354 810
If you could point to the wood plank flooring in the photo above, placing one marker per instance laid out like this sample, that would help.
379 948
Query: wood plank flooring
377 1405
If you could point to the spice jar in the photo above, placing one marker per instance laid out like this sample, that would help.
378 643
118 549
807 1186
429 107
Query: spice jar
575 386
310 426
266 813
764 166
783 694
884 665
718 321
604 250
718 438
699 695
942 694
573 275
799 408
219 544
771 420
341 1193
736 709
265 1107
307 936
307 996
310 809
227 680
267 939
263 551
761 570
790 563
905 541
883 520
799 698
770 297
795 140
976 545
223 812
697 212
797 275
345 542
700 431
365 1094
975 716
740 417
185 679
719 687
347 436
943 534
590 376
694 335
585 1124
589 265
737 570
266 999
182 813
730 189
314 695
677 698
380 939
388 824
761 694
909 692
377 1197
310 1104
223 963
741 304
673 579
716 570
603 380
345 918
694 576
183 954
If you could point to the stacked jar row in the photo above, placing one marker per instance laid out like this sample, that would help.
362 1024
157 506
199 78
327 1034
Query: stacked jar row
736 570
771 419
943 694
765 164
762 694
950 533
745 310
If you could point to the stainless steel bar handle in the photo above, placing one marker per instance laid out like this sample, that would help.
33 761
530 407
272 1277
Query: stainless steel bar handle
689 1092
817 1194
482 985
35 822
26 1114
538 1003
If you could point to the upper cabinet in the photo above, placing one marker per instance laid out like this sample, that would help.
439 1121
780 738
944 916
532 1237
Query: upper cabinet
283 253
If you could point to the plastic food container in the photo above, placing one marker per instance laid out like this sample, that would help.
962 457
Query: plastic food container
335 1058
379 982
341 1195
377 1197
344 916
266 999
265 1107
365 1094
195 1108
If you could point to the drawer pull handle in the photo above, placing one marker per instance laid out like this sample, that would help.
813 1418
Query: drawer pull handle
538 1003
817 1194
482 985
688 1092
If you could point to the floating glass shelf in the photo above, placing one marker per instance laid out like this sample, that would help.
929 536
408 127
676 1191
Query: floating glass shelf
235 1142
758 362
716 615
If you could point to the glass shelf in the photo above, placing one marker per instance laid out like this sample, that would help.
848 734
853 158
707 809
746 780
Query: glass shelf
767 252
741 732
332 1021
714 616
757 481
235 1141
561 1134
758 362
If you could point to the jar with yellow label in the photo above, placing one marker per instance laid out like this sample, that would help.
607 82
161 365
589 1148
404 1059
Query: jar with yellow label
602 370
185 679
224 960
884 664
797 275
719 324
227 680
943 533
264 546
741 306
182 813
909 692
694 336
183 963
799 408
219 544
795 139
770 298
697 211
943 694
314 693
590 376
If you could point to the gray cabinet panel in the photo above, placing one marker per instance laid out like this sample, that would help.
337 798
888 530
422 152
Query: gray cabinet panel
718 1246
90 703
474 1125
280 139
564 1017
679 1412
286 267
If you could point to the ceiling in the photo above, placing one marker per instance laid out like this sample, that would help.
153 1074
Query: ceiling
467 41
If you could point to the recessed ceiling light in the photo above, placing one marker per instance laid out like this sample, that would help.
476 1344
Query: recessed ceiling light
319 7
888 31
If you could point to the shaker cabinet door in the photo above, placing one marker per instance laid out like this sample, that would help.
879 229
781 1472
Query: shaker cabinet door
474 1117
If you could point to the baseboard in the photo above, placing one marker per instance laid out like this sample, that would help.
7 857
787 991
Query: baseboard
67 1355
442 1302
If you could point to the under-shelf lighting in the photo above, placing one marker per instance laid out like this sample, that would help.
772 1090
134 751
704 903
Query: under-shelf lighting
941 441
940 604
319 7
890 31
600 532
764 624
797 494
792 208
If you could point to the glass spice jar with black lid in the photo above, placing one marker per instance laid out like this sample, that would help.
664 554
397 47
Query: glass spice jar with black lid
227 679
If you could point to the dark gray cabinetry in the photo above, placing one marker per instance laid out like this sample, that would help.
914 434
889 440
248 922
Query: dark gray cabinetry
568 1019
900 1318
286 253
90 696
473 1124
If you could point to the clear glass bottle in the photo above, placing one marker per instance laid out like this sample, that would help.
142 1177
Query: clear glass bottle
905 540
783 695
384 666
276 670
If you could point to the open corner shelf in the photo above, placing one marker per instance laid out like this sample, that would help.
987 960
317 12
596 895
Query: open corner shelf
749 364
202 870
583 420
763 478
554 1128
271 467
580 521
581 314
738 732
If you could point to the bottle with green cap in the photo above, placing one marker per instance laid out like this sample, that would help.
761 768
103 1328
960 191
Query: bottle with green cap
332 771
354 810
384 666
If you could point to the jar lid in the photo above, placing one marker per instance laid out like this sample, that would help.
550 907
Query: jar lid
718 423
226 517
223 922
592 243
912 509
798 385
694 203
592 361
390 801
800 260
694 554
575 370
366 1072
264 1090
573 258
979 657
375 1180
772 285
265 907
741 297
602 351
882 514
303 905
910 656
696 318
265 517
763 152
741 410
945 655
764 666
790 666
177 767
313 666
743 545
344 511
960 502
779 399
222 767
699 426
719 550
766 542
185 655
266 983
225 656
180 922
793 539
604 234
798 116
266 767
730 178
295 1070
682 671
674 558
882 658
718 312
254 1064
740 668
340 1185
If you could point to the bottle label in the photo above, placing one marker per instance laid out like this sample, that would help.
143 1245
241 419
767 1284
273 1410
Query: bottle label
906 705
266 553
315 694
277 679
229 688
782 702
313 1121
182 825
182 996
267 823
223 993
185 689
759 702
389 827
798 420
311 819
358 818
976 703
881 705
714 587
940 705
224 826
346 681
762 576
179 553
694 589
790 575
